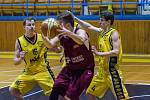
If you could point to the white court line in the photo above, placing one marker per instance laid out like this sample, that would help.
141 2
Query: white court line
4 87
136 72
136 81
8 79
4 82
127 83
142 84
10 70
140 96
32 94
7 75
137 65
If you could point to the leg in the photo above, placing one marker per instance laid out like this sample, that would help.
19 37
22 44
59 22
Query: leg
118 88
45 81
80 82
116 79
60 85
20 86
91 97
54 95
66 98
98 85
15 93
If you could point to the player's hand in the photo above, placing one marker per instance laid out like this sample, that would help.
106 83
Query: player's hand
94 50
70 13
22 54
63 30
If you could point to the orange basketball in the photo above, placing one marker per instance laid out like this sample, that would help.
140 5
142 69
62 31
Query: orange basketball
49 27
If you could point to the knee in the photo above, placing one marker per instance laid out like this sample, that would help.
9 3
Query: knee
90 96
11 90
15 93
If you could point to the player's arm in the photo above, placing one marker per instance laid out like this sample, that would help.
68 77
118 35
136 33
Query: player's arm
62 56
17 58
57 49
116 46
86 25
50 43
79 38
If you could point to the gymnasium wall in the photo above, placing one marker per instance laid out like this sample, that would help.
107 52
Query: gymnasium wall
135 35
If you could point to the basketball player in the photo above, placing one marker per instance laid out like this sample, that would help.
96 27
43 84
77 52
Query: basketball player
30 48
78 72
76 25
110 54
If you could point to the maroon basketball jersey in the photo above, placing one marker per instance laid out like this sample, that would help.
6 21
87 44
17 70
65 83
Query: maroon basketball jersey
77 56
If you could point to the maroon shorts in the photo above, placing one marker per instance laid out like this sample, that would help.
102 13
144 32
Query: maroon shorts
72 82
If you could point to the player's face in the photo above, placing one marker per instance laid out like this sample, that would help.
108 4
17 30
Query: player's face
63 24
30 26
103 23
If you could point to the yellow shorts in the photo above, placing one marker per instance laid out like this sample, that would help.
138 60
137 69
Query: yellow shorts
25 83
101 82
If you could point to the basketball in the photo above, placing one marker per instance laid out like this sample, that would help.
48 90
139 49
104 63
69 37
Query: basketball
49 27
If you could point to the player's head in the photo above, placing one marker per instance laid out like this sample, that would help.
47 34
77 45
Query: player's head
29 24
66 18
106 18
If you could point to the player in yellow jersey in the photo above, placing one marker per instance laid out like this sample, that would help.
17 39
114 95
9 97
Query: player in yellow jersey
110 54
30 48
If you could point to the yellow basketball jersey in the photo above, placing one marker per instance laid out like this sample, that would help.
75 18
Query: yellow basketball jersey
106 45
34 58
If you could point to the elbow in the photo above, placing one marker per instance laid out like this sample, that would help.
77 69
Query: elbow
116 52
50 45
81 43
16 61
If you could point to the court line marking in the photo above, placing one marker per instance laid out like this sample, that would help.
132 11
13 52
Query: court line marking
4 82
8 79
7 75
136 72
143 84
137 81
137 65
140 96
60 66
32 94
10 70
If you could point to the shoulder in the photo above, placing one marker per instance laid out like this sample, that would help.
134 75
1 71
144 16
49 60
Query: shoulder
20 37
39 35
79 30
115 35
114 31
20 40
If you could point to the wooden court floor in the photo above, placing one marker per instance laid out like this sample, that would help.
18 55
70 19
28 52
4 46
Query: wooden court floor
136 70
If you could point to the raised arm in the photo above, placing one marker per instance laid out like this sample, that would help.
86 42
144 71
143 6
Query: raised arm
79 38
86 25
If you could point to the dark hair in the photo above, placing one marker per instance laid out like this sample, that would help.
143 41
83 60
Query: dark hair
107 15
28 18
66 17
